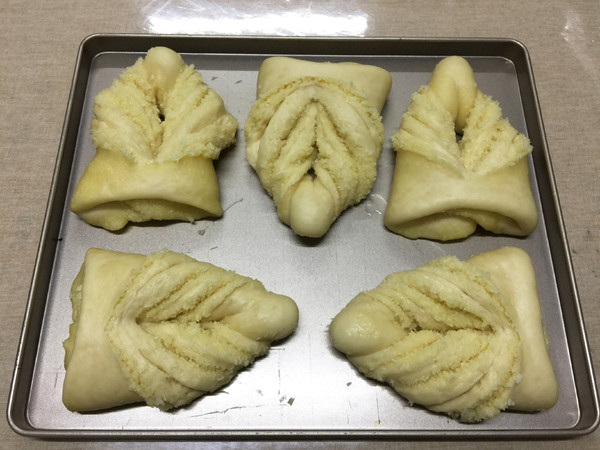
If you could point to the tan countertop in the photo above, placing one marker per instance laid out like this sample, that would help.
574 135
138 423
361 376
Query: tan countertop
39 46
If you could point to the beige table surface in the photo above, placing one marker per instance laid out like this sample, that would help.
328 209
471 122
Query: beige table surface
39 42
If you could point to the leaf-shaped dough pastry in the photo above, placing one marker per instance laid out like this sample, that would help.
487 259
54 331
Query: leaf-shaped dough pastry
461 338
443 189
314 137
164 329
156 130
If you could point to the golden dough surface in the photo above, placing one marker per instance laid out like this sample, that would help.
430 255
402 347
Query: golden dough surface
442 189
156 130
459 338
314 137
164 329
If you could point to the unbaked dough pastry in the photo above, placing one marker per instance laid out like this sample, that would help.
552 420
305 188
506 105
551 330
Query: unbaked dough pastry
314 137
156 130
443 189
164 329
461 338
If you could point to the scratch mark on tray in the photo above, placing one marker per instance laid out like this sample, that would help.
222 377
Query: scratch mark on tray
350 409
225 411
378 421
279 374
310 368
233 204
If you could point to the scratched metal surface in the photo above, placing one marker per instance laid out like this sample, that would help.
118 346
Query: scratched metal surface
303 386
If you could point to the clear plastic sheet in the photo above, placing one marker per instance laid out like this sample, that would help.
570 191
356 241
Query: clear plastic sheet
297 18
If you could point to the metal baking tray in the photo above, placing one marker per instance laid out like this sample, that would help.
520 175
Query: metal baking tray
304 388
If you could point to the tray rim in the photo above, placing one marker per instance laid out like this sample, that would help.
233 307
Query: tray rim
444 46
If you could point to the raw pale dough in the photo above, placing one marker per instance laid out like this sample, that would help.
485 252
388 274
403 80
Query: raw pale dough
156 130
314 137
443 189
461 338
164 329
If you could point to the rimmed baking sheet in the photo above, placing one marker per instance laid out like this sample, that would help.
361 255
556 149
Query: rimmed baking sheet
303 388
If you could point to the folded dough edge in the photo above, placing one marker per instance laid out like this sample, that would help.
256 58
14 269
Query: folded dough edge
432 201
93 377
114 191
512 271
